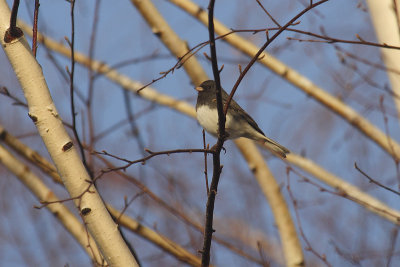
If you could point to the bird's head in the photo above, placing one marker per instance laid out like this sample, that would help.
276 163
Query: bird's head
206 86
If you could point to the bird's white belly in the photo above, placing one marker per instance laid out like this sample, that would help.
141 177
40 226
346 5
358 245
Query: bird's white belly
208 119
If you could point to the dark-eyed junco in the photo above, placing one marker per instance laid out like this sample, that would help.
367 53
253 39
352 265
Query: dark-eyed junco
238 122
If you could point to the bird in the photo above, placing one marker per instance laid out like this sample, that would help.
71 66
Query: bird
238 123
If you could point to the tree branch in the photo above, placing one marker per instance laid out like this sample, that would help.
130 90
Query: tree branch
217 168
48 122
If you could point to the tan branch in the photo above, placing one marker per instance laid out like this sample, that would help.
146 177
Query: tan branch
185 108
157 239
385 21
291 244
120 79
60 212
161 241
343 187
298 80
48 122
272 191
160 27
148 93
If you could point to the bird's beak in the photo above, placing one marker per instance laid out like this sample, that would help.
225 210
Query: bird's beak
199 88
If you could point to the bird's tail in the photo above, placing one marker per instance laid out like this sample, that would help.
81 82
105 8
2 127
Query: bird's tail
275 147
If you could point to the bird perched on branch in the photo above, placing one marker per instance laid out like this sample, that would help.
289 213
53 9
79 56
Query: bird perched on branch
238 122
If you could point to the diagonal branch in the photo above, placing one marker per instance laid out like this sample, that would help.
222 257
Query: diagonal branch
261 50
303 83
39 189
48 122
217 168
60 211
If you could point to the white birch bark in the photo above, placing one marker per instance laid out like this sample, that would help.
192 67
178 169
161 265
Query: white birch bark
59 210
386 24
39 189
61 149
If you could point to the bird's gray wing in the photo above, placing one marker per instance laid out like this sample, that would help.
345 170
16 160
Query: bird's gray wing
240 113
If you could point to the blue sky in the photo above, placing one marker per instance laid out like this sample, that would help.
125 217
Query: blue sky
281 110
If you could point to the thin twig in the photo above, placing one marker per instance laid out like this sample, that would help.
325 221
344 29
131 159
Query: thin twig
18 102
126 205
78 197
341 192
35 27
217 168
266 12
123 122
71 87
386 120
366 61
13 18
256 57
371 180
394 235
13 31
303 235
325 38
179 214
92 76
152 154
205 161
132 120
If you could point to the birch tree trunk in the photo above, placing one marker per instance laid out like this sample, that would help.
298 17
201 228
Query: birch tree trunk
44 114
384 18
